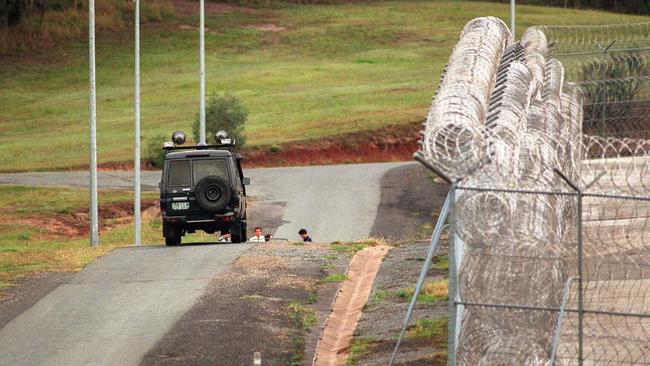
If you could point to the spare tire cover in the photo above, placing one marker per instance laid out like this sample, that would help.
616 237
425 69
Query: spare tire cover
212 193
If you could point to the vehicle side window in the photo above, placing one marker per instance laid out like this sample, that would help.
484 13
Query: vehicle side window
205 167
233 168
179 173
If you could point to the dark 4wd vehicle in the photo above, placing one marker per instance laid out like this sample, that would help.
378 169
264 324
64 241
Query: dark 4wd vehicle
202 188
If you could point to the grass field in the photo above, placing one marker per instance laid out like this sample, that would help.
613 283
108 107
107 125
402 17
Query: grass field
43 229
336 68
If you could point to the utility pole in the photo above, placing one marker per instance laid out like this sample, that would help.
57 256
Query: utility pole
202 74
92 116
136 163
512 18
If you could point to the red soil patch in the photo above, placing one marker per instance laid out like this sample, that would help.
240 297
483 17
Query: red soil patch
268 27
76 224
188 8
393 143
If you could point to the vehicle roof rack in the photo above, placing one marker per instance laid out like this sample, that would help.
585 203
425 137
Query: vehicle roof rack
230 146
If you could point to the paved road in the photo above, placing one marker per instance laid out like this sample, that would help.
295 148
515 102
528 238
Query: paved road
334 202
116 309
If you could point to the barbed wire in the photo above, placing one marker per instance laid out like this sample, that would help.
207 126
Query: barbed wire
508 116
585 39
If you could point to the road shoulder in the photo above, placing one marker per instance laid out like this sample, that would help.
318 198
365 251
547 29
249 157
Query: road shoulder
28 291
267 301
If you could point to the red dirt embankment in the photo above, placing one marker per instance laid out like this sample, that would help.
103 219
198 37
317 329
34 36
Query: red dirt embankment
76 224
393 143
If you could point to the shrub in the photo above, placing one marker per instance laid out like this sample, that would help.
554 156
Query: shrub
223 112
153 153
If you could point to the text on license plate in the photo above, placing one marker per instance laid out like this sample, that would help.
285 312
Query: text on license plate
180 205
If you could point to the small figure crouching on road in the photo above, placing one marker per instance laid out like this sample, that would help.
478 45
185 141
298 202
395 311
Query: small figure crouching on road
304 235
259 237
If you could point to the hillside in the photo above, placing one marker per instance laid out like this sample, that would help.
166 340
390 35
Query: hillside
303 71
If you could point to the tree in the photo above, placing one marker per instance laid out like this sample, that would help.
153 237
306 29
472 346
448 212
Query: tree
223 112
154 153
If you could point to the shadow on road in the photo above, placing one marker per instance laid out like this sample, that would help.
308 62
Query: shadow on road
409 199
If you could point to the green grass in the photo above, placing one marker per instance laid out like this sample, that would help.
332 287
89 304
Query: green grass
441 262
335 278
31 241
338 68
253 297
312 298
352 247
434 330
302 317
359 348
432 291
377 297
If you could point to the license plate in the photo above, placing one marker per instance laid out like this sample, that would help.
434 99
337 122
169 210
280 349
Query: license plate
180 205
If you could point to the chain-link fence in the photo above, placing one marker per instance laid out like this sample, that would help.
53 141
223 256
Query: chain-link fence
550 211
611 65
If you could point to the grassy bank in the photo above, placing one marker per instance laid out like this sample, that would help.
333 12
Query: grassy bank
45 229
304 72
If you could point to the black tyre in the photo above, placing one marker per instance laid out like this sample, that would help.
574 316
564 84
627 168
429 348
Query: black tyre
212 193
173 240
236 234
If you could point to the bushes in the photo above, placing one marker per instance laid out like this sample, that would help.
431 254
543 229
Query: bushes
223 112
153 153
45 23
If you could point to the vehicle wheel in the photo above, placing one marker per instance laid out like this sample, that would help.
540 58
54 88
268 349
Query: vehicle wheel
212 193
236 233
173 240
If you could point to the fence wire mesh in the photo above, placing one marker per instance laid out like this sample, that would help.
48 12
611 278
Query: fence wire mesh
611 64
546 142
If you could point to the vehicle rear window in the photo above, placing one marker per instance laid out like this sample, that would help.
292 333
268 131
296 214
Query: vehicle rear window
179 173
205 167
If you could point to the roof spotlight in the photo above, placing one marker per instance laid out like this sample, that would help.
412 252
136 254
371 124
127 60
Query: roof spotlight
178 137
220 135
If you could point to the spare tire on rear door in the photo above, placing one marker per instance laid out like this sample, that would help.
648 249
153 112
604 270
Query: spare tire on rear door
212 193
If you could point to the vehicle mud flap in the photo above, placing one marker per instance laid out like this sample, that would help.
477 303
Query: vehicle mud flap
237 235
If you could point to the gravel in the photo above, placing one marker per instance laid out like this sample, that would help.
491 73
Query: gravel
247 309
382 319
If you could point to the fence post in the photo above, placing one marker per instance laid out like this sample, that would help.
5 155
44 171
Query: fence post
558 327
435 239
581 314
452 308
580 285
453 283
92 116
137 218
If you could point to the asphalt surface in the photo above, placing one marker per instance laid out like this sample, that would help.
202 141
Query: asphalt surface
333 202
116 309
120 306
